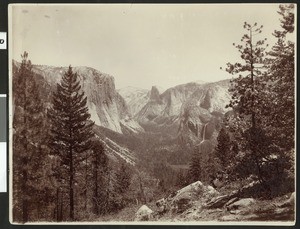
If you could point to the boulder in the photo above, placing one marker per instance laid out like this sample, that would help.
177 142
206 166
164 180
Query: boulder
185 196
290 202
197 189
162 205
240 204
220 201
144 214
234 199
182 203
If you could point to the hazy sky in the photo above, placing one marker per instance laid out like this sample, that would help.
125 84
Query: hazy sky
140 45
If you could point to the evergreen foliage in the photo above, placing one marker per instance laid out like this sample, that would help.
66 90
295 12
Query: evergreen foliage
31 188
181 179
121 186
71 131
194 172
223 148
63 172
100 175
248 98
281 72
262 122
122 179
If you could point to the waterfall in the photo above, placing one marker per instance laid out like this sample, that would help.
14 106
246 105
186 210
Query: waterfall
204 130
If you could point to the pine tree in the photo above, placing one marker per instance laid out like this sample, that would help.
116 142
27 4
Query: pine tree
280 122
121 185
180 179
223 148
71 130
281 63
100 173
247 88
29 150
249 98
194 172
122 179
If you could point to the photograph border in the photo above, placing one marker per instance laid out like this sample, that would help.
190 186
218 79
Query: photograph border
145 223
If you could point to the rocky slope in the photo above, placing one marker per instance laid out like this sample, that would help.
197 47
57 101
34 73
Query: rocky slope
198 202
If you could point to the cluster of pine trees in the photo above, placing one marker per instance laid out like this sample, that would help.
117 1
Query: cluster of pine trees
257 136
60 169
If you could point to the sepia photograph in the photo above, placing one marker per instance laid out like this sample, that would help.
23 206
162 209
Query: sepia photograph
152 114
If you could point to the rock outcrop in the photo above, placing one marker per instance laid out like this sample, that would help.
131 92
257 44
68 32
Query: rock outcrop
144 214
184 198
199 202
154 94
241 203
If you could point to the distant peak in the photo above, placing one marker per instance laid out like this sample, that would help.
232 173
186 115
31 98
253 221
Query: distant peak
154 93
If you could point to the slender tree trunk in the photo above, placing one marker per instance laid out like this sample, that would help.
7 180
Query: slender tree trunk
61 216
253 111
54 214
143 198
95 202
71 186
24 198
24 170
107 196
86 183
252 81
39 210
57 204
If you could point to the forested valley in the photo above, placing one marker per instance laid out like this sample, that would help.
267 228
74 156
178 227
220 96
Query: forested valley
234 150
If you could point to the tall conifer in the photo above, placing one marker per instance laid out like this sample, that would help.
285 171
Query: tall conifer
223 148
71 130
28 142
248 92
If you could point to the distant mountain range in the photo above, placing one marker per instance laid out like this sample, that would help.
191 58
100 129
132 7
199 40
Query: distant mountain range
189 112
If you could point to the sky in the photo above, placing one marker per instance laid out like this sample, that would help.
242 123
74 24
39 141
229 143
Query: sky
139 44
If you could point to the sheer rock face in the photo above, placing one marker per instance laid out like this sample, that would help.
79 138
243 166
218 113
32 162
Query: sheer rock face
186 108
106 106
